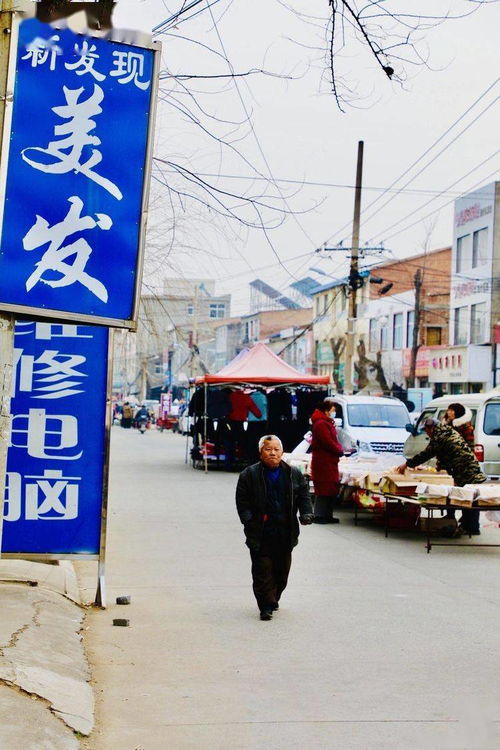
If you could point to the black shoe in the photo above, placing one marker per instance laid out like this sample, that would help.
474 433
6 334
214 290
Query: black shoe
266 614
275 606
320 519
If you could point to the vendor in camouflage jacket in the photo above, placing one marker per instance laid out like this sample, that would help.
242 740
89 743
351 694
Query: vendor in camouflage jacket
455 457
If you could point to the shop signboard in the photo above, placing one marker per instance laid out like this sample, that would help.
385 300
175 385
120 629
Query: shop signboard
78 137
324 354
422 363
57 457
460 364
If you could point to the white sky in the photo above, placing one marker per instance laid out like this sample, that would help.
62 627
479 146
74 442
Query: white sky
304 136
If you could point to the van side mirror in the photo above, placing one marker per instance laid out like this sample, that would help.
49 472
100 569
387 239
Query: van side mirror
411 429
338 421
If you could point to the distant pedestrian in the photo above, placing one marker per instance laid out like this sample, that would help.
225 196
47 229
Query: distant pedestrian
326 451
127 414
269 495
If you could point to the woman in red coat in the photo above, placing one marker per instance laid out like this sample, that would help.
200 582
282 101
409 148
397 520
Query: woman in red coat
326 451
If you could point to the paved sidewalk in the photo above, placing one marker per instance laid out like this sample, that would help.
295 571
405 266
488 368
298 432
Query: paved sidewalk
46 701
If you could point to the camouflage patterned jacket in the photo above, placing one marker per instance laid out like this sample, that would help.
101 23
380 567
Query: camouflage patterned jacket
453 455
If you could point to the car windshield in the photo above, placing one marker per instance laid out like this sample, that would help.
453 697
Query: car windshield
439 415
377 415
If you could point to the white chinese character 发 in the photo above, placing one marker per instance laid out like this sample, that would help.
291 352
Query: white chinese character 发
55 257
67 152
52 497
129 67
49 376
40 50
85 64
46 435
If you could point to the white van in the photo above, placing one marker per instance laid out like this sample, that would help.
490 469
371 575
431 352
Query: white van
485 408
373 424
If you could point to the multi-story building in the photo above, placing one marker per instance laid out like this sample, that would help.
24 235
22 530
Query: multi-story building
391 315
330 311
175 336
467 365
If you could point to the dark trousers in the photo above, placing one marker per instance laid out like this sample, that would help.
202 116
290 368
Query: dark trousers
270 568
469 520
234 436
323 506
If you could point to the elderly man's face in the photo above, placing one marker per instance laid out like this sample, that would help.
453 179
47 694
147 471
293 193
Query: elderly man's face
271 453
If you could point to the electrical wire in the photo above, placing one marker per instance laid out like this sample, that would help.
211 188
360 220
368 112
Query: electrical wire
420 158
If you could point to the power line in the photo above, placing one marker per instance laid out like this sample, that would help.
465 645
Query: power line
261 151
162 26
421 157
460 179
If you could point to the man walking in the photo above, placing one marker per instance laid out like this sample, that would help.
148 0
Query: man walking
269 495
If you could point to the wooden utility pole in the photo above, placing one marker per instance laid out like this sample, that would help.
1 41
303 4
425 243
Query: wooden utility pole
194 337
6 319
415 344
353 276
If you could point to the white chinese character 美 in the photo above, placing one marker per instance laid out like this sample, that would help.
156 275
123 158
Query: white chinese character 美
40 50
67 152
55 257
85 64
49 331
51 375
129 67
46 435
52 497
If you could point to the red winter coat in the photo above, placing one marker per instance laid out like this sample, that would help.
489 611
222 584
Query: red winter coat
326 451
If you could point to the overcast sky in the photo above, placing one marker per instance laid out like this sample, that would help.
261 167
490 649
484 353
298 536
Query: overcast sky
299 134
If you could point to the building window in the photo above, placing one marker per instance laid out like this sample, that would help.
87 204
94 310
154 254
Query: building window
433 336
316 302
460 333
464 253
478 323
384 336
373 334
479 247
397 331
190 308
410 325
217 310
325 303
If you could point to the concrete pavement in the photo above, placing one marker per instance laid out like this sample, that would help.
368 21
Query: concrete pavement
376 644
46 701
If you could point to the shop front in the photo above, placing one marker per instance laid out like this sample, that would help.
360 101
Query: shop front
460 369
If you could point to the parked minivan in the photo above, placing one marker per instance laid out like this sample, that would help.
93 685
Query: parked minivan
485 408
372 424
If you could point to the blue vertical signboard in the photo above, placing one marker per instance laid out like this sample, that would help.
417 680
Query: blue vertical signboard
77 176
56 459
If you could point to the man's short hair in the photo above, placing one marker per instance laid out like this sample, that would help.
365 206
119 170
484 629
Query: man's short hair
267 438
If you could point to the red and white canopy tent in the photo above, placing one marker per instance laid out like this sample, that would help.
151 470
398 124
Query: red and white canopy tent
258 366
261 366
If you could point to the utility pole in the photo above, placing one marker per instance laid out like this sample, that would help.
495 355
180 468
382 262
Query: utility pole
194 341
353 275
415 345
6 319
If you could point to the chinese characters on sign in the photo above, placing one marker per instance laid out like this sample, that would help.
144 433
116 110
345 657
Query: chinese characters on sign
55 460
75 185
